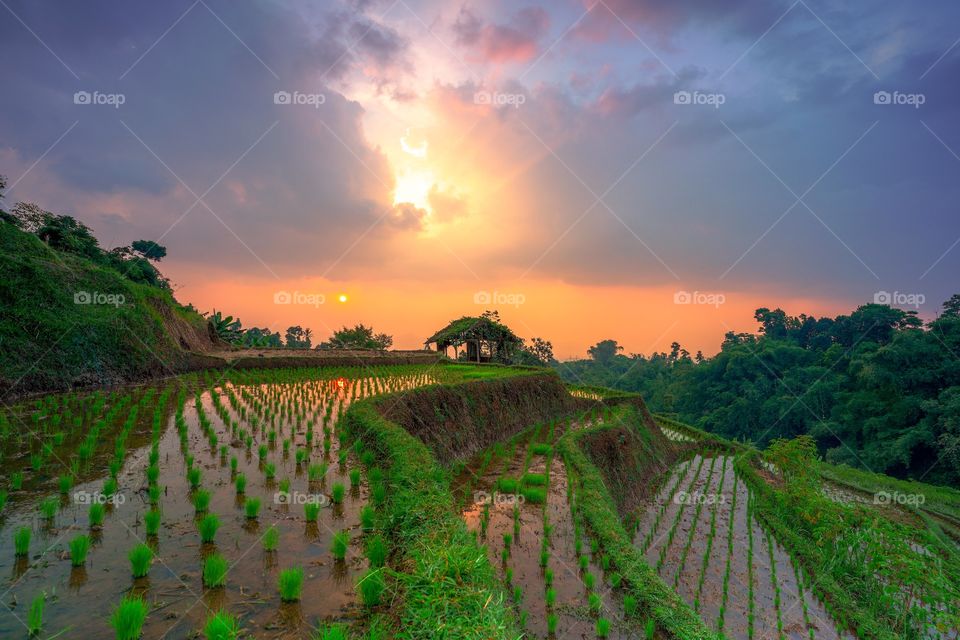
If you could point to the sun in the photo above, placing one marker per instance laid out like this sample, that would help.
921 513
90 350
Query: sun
413 186
342 297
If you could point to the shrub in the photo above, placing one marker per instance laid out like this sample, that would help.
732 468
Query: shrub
140 558
215 570
79 547
128 618
371 587
221 626
290 584
21 542
208 528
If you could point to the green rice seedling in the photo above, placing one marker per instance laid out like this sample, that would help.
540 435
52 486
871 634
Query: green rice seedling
301 455
234 463
270 471
215 570
311 510
508 576
367 518
36 461
534 495
541 449
367 458
284 485
548 577
507 485
95 515
21 542
507 540
35 615
518 594
153 474
151 521
193 477
252 508
377 551
371 587
154 494
223 452
544 558
271 539
354 477
332 632
337 493
316 472
208 528
79 547
589 580
240 484
286 446
550 597
3 500
290 584
341 542
629 606
201 501
128 618
595 603
16 480
603 627
615 580
378 493
110 486
190 461
552 621
65 484
262 452
141 556
584 563
221 626
650 629
49 508
535 480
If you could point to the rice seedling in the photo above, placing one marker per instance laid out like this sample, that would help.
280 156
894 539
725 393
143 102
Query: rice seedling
201 500
234 463
3 500
35 615
301 455
331 632
518 594
340 544
354 477
79 547
95 515
589 580
603 627
311 510
534 480
377 551
151 521
141 556
153 474
262 452
378 493
128 618
284 485
650 629
367 518
584 563
337 492
629 606
208 528
508 485
215 570
371 587
21 542
550 597
193 477
552 621
270 471
594 603
548 577
153 493
534 495
240 483
541 449
16 480
290 584
221 626
252 508
544 558
65 484
271 539
615 580
316 472
49 508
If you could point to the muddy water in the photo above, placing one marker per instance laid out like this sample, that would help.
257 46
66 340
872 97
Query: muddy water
571 610
79 601
685 567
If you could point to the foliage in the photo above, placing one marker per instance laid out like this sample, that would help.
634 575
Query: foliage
359 337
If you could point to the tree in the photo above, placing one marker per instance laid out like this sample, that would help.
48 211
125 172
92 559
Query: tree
297 338
226 328
952 306
359 337
149 249
604 351
542 350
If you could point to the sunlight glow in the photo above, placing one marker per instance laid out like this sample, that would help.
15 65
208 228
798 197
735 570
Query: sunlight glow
414 186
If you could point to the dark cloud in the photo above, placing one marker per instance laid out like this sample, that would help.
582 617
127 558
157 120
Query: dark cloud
513 41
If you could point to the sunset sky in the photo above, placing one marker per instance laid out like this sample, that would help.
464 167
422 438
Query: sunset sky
580 165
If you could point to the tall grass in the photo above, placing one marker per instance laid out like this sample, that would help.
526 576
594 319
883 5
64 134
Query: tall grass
371 587
128 618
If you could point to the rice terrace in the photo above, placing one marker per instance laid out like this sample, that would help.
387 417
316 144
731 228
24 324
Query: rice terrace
479 320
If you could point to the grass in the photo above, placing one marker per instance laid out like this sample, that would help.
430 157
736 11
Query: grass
151 521
541 449
337 492
208 528
340 544
221 626
367 518
141 556
271 539
331 632
35 615
201 501
534 495
128 618
21 542
377 551
290 584
371 587
215 570
79 547
240 483
534 480
95 515
252 508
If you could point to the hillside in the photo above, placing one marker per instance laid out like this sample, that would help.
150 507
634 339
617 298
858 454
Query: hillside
69 322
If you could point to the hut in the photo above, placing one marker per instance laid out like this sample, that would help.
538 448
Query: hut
484 338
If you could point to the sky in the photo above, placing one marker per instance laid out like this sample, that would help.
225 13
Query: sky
644 170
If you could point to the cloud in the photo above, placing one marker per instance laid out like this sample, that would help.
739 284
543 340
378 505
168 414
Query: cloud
515 41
